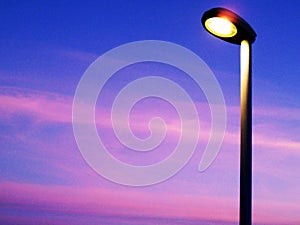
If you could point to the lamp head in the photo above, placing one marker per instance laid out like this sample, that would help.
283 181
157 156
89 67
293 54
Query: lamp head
227 26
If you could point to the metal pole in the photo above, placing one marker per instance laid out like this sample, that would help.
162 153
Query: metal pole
246 136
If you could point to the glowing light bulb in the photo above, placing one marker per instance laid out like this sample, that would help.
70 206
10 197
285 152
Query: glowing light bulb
220 27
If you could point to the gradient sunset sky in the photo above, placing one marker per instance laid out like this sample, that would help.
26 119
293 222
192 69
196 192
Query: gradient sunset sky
45 49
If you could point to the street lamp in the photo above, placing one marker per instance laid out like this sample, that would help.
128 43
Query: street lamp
230 27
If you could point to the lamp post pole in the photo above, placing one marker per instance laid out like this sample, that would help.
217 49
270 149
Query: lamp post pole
246 135
230 27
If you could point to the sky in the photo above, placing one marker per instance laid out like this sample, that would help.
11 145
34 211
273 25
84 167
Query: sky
46 47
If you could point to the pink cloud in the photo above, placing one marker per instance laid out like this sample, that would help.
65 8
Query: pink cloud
125 201
269 128
49 107
43 106
53 108
274 212
138 202
279 113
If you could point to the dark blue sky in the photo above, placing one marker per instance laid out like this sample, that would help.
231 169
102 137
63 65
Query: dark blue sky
29 28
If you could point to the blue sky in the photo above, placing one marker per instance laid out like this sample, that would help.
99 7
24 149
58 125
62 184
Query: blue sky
45 49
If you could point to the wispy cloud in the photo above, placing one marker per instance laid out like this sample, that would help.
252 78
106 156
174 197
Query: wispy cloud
51 109
125 201
135 202
42 106
55 108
